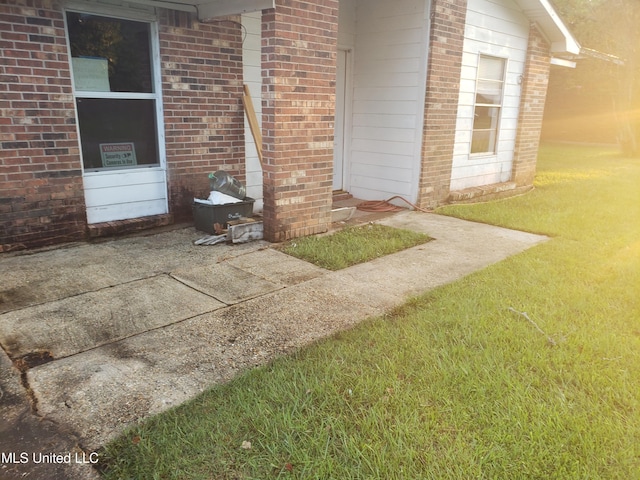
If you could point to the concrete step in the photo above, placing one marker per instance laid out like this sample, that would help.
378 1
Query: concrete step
339 195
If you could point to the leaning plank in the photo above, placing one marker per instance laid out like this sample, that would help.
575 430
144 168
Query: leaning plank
253 121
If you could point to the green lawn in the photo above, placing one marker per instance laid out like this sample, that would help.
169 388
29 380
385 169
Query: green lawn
353 245
454 384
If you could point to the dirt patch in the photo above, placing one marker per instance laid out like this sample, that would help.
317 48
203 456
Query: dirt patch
16 297
33 359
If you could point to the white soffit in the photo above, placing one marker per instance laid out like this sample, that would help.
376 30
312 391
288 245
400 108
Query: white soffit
209 9
561 62
542 13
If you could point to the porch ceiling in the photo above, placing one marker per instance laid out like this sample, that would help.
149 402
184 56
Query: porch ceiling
542 13
208 9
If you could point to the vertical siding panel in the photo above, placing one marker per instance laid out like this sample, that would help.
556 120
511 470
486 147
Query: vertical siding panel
252 73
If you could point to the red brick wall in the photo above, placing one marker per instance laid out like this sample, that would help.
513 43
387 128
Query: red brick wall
446 38
299 45
41 191
534 92
202 99
41 196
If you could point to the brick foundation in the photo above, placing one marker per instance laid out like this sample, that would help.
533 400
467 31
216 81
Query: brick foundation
299 45
132 225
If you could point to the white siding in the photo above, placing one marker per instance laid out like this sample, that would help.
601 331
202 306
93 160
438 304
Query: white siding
389 74
344 93
497 28
252 72
347 24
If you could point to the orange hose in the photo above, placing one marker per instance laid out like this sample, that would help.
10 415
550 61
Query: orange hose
386 206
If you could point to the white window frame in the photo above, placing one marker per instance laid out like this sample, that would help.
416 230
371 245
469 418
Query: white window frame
156 73
499 106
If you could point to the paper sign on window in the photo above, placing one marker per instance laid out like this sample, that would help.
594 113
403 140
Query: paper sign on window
118 154
91 74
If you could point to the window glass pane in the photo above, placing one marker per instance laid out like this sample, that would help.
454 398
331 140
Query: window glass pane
489 92
491 68
110 54
484 141
488 102
480 141
117 133
485 129
485 117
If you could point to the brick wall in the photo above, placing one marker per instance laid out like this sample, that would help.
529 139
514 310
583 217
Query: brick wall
202 98
41 190
534 92
41 196
299 68
446 38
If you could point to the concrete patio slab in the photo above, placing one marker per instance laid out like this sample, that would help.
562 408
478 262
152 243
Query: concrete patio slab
82 322
225 282
45 276
277 267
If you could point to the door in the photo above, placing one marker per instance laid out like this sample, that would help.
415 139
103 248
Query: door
114 63
340 123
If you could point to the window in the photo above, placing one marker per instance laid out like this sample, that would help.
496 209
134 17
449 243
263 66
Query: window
114 91
488 104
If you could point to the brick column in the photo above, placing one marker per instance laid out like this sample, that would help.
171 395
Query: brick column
446 38
299 45
532 99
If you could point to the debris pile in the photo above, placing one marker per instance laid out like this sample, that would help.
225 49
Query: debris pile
227 213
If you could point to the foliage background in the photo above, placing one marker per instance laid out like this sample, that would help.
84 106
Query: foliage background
598 101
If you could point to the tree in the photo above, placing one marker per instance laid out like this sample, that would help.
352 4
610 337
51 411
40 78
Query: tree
600 87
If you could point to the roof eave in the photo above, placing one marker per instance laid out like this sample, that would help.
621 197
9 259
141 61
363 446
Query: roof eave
210 9
543 15
220 8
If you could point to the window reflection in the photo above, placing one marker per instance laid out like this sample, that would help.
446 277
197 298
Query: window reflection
117 134
122 46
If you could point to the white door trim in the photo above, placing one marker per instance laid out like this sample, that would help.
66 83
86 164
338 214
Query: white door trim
342 125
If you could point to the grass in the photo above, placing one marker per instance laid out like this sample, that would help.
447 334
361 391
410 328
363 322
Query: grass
353 245
453 384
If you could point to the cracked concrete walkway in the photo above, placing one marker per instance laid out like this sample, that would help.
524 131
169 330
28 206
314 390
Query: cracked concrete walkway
110 333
